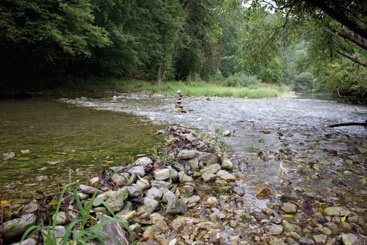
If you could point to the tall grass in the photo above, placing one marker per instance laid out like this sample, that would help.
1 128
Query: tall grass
82 233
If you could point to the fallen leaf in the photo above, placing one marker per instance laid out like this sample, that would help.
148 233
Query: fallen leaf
263 193
4 203
344 218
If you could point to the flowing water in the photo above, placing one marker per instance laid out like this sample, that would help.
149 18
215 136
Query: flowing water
48 138
322 162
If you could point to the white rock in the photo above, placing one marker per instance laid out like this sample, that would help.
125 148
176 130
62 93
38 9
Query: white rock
161 174
154 193
143 161
225 175
138 170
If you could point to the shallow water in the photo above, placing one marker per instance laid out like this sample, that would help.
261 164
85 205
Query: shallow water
326 163
60 136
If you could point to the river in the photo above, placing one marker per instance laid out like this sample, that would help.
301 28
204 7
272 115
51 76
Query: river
322 162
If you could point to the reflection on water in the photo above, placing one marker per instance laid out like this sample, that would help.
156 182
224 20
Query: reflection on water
49 137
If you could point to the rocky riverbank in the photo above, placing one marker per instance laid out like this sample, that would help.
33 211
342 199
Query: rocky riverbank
186 193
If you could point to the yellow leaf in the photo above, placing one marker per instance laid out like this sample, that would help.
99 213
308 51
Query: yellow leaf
344 218
5 202
289 215
214 220
100 150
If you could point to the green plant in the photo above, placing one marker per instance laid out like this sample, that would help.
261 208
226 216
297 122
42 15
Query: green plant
162 156
85 233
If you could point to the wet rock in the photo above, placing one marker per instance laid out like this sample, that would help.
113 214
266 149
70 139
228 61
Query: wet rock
207 158
274 229
319 239
89 189
186 154
143 161
161 174
126 215
306 241
154 193
289 208
42 178
212 201
227 164
112 229
178 223
289 227
137 170
211 169
332 211
133 190
277 241
119 180
16 227
349 239
225 175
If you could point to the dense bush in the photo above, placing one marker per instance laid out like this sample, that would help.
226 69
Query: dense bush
241 80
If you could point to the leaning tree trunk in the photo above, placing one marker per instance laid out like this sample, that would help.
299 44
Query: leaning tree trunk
160 74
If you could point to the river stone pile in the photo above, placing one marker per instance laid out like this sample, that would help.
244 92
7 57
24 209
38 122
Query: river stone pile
155 198
178 103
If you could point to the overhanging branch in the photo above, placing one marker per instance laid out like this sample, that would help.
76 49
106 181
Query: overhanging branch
352 58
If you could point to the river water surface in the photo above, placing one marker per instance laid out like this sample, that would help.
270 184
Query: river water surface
322 162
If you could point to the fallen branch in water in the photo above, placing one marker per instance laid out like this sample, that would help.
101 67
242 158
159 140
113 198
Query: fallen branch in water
348 124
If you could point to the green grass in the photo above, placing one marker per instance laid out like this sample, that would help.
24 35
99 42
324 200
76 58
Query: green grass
199 88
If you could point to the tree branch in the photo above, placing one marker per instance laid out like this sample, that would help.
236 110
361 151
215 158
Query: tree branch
352 58
346 35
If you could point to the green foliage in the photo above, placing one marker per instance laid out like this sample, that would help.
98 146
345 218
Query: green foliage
241 80
304 81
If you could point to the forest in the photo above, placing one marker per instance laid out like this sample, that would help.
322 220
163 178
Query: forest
307 45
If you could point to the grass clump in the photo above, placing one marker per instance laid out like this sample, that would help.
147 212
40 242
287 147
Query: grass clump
83 229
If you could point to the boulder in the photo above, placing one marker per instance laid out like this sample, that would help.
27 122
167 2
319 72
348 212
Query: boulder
16 227
227 164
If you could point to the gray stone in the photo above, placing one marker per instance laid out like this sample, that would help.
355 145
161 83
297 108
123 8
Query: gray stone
186 154
289 227
143 184
16 227
42 178
349 239
211 169
60 218
161 184
306 241
119 180
59 231
154 193
161 174
115 199
193 199
28 241
225 175
173 175
150 204
319 239
332 211
127 215
112 229
150 231
184 177
208 177
277 241
143 161
133 190
194 164
227 164
274 229
89 189
174 205
207 158
289 208
177 223
137 170
30 208
212 201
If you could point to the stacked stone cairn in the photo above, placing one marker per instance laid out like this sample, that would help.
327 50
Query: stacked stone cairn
178 103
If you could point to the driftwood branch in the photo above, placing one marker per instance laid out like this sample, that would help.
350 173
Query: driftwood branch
348 124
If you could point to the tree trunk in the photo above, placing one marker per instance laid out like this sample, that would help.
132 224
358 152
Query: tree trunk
160 75
348 124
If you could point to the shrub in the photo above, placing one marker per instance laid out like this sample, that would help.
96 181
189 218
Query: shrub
241 80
